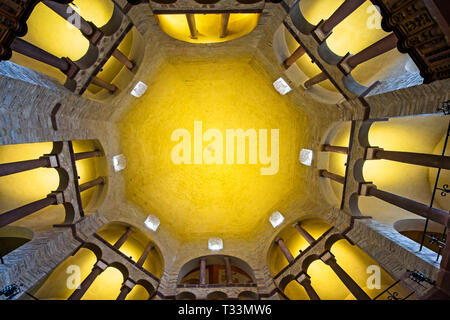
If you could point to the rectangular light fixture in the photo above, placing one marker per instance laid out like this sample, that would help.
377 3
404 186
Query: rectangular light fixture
215 244
306 157
119 162
276 219
152 222
282 86
139 89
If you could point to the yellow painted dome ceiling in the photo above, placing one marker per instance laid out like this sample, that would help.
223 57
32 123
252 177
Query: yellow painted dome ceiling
229 199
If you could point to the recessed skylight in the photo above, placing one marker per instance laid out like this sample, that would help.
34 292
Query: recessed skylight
119 162
139 89
276 219
306 157
215 244
152 222
282 86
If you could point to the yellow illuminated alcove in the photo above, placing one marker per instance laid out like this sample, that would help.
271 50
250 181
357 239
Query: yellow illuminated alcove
208 26
25 187
421 134
228 200
359 30
50 32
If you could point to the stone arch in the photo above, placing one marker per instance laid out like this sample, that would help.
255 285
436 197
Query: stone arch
94 248
285 281
119 266
216 259
308 261
148 286
137 242
186 295
12 238
217 295
248 295
332 240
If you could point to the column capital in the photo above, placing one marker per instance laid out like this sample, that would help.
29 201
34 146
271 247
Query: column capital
328 257
318 33
303 277
58 195
278 238
370 153
52 160
129 284
364 187
101 264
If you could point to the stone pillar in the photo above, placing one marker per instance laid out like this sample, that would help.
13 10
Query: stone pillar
127 286
28 209
288 255
332 176
50 161
297 54
27 49
145 254
191 23
228 270
305 281
328 148
346 8
304 234
88 29
105 85
203 271
123 238
99 267
420 159
88 154
91 184
437 215
224 18
123 59
378 48
351 285
315 80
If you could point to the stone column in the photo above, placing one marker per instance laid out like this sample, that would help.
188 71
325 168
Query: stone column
328 148
123 238
203 271
191 23
315 80
105 85
48 161
123 59
224 18
145 254
127 286
378 48
305 281
288 255
332 176
27 49
88 154
91 184
351 285
304 234
28 209
420 159
346 8
99 267
228 270
297 54
437 215
88 29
